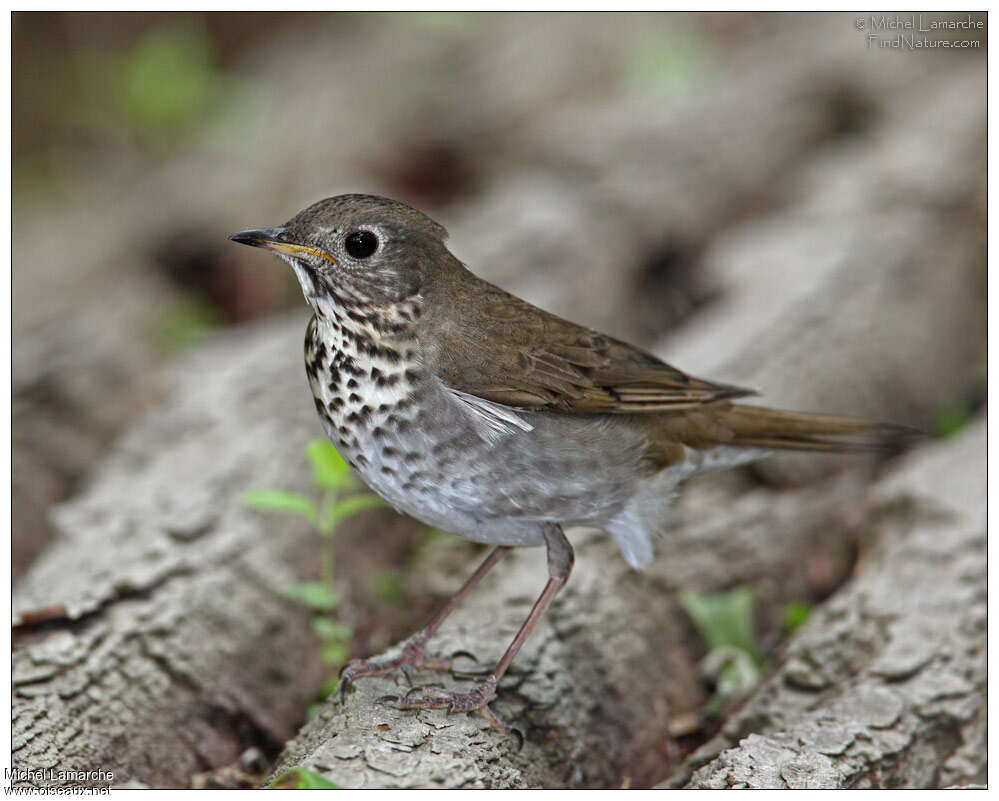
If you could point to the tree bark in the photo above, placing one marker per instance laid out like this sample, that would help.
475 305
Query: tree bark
151 638
596 688
886 684
884 687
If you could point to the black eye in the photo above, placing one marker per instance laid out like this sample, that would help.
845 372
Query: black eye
361 244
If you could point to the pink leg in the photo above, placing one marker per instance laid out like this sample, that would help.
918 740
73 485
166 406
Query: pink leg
560 559
413 652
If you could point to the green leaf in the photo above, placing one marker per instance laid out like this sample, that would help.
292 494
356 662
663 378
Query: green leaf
329 470
186 323
735 672
795 614
430 534
303 779
950 419
669 62
334 653
314 594
446 21
275 500
327 688
341 510
165 82
388 588
724 620
330 630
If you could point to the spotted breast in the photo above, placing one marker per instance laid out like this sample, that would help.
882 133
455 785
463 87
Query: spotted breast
424 447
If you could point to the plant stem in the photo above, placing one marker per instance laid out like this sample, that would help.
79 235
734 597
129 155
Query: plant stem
326 531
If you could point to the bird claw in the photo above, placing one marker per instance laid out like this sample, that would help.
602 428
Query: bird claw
434 697
439 698
347 675
427 689
413 656
464 653
470 675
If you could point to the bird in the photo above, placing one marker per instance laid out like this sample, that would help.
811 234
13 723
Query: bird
485 416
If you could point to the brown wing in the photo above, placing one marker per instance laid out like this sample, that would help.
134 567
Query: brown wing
505 350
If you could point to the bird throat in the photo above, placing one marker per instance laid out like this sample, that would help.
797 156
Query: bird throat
364 369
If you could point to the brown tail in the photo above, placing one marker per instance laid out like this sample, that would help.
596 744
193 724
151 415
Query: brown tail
771 428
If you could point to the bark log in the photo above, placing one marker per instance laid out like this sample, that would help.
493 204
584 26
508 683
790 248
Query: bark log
594 692
836 302
886 684
152 638
885 687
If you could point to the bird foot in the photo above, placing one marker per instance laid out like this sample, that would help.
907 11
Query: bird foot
413 656
437 698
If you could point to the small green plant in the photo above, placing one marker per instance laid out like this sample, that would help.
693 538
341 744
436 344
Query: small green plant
302 779
950 419
795 615
334 478
443 21
185 323
668 63
388 588
166 81
724 622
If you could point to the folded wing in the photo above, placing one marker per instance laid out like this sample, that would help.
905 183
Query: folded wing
507 351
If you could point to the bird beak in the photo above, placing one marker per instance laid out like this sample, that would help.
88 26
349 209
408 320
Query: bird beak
272 239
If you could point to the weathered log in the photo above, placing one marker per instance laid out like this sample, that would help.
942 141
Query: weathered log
888 677
594 693
838 302
886 684
151 638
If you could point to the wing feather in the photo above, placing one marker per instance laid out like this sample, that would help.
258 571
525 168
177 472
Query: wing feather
503 349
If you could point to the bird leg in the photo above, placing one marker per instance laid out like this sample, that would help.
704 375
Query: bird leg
414 650
560 559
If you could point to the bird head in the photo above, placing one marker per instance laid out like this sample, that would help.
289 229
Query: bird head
362 249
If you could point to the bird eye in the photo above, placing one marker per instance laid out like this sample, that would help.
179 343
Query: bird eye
361 244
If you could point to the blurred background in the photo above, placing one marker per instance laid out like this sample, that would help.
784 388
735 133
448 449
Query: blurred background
595 163
587 161
792 201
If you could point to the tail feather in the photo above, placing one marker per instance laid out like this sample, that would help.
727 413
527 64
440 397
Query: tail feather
754 426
